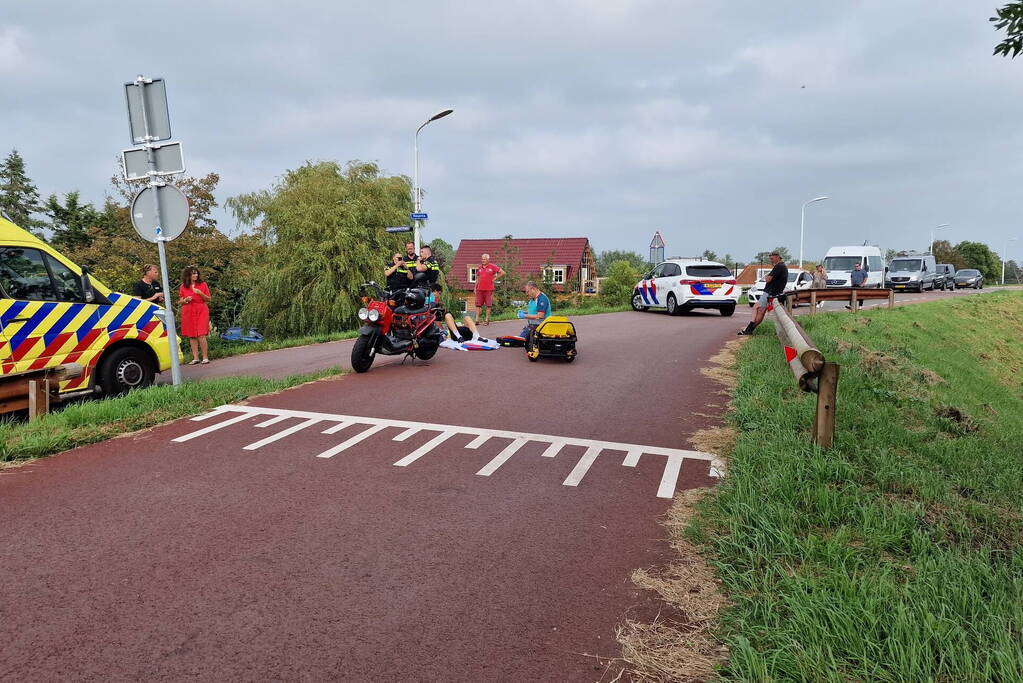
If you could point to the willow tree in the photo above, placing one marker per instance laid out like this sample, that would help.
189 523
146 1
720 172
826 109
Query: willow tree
323 229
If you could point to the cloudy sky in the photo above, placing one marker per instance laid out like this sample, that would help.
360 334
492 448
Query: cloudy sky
709 121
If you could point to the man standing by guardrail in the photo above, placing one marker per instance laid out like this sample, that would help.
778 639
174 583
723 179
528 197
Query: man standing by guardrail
776 281
857 278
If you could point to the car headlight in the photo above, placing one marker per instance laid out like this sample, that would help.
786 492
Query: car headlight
374 315
363 314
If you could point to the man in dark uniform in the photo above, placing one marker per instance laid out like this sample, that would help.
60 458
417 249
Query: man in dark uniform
397 273
148 289
776 281
425 271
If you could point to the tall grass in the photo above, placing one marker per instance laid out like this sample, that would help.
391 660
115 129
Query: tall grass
896 555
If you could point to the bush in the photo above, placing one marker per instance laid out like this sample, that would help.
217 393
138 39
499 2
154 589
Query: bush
616 289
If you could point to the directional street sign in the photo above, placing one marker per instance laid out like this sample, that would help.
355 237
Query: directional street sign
169 160
399 228
173 213
418 216
153 111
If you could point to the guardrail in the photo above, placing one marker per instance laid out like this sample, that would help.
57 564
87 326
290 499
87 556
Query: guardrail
812 372
35 389
854 295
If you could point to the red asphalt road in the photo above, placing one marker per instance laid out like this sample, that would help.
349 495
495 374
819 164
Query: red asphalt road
144 559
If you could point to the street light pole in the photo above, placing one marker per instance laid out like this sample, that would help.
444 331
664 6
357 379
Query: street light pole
802 223
416 203
935 228
1005 252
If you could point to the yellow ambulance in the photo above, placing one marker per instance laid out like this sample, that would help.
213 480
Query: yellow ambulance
51 312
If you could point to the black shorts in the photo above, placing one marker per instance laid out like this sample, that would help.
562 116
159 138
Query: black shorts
464 332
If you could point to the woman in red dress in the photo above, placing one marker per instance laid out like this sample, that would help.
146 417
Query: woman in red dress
195 313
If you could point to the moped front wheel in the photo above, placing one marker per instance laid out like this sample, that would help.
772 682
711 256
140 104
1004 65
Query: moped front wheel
363 353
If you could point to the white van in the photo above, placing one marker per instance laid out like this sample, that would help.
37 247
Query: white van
840 261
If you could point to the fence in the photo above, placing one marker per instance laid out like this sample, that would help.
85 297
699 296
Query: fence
812 372
853 295
34 390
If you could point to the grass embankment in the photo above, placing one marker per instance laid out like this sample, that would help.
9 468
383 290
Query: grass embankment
91 421
897 555
220 348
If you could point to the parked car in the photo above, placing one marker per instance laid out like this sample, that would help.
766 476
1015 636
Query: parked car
839 263
968 277
945 276
679 285
913 272
798 279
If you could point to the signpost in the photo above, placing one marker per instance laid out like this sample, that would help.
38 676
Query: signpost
159 212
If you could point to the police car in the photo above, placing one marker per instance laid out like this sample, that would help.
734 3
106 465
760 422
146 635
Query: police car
51 312
679 285
798 279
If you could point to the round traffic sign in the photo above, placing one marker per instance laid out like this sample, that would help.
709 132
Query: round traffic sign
173 213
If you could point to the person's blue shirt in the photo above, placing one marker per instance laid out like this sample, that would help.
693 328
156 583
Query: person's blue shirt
541 304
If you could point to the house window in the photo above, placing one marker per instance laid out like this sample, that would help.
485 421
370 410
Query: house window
472 274
556 275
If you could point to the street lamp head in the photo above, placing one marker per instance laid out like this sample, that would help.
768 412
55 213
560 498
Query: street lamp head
441 115
818 199
943 225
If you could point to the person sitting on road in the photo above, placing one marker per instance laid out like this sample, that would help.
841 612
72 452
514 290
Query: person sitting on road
775 286
458 333
539 308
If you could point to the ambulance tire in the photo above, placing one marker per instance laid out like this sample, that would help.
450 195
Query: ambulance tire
125 369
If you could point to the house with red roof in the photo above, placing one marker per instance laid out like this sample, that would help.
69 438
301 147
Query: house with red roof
570 260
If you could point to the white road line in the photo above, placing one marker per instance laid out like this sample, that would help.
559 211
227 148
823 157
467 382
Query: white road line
424 449
212 428
336 428
553 449
361 436
272 421
406 434
213 413
632 458
666 489
670 477
583 466
501 457
281 434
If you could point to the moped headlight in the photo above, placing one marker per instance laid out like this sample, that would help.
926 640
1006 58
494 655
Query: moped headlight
363 314
374 315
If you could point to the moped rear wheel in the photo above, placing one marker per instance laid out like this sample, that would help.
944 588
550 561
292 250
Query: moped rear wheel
363 353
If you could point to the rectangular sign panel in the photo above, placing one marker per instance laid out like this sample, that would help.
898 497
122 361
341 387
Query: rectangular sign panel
398 228
147 103
169 160
419 216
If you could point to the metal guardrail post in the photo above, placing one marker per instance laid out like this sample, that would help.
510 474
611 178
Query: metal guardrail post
812 373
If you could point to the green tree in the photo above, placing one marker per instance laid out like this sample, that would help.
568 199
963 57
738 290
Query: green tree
944 252
979 255
889 254
1013 273
509 287
19 198
762 257
444 253
709 255
70 221
117 254
606 258
617 286
1009 19
323 229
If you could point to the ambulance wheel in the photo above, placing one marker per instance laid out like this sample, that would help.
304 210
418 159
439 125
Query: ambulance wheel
671 305
125 369
637 302
727 311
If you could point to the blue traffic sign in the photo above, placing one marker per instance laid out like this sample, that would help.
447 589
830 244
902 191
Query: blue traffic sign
419 216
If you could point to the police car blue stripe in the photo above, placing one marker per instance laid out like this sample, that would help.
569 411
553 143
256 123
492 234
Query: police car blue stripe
30 326
123 315
62 322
